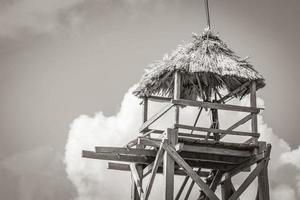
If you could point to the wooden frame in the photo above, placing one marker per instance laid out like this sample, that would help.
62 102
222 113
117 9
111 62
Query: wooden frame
173 152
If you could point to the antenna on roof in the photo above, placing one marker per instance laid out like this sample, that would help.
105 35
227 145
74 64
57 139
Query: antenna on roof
207 14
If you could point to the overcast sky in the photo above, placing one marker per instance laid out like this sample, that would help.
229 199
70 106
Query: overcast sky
60 59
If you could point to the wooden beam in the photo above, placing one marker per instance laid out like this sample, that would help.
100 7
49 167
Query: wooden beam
169 165
187 195
180 161
184 102
126 167
249 179
156 164
182 135
155 117
116 157
159 99
240 122
234 92
263 179
253 104
177 91
145 109
216 151
126 151
240 133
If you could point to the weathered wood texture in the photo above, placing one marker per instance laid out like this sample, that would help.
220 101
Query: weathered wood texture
184 102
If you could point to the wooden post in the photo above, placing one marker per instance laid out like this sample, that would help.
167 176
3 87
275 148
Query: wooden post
263 180
177 88
134 191
169 166
253 105
145 109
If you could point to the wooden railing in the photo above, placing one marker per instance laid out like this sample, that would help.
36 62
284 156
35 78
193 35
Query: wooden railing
208 105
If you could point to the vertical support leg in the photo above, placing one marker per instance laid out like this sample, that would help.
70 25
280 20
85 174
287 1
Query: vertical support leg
263 180
169 167
253 105
177 89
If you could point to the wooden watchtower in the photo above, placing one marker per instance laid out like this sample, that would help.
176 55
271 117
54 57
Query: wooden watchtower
203 74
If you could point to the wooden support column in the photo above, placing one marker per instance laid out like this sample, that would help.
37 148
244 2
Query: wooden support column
263 180
177 89
253 105
139 168
169 166
145 109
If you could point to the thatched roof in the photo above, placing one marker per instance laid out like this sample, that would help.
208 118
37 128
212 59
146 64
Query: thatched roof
207 65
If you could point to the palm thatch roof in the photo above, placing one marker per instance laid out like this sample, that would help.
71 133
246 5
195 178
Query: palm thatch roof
206 65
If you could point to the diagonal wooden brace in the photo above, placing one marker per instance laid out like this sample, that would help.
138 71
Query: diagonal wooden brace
181 162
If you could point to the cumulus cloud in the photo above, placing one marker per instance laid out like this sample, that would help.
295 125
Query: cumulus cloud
93 180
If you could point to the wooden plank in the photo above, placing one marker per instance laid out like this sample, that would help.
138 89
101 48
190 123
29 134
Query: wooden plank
159 99
218 159
182 135
180 161
126 167
126 151
220 144
137 180
182 188
155 117
169 165
116 157
249 180
156 164
229 107
240 133
217 151
234 92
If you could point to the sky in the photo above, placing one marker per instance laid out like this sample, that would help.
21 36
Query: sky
62 59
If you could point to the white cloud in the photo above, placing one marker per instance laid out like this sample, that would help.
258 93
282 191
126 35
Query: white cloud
283 192
93 180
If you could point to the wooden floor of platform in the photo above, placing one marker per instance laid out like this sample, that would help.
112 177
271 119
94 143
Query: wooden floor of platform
204 154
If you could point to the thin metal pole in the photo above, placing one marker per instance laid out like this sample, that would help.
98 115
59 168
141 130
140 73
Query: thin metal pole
207 14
